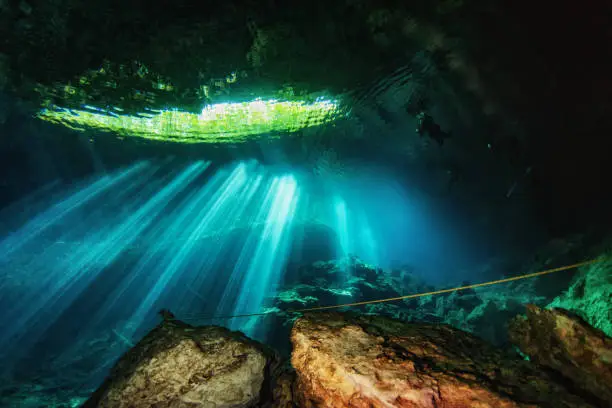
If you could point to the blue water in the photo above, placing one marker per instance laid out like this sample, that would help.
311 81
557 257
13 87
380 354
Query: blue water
104 256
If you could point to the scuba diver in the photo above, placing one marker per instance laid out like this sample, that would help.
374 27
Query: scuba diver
427 126
454 173
425 122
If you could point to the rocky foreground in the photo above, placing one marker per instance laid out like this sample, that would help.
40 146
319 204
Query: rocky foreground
349 360
177 365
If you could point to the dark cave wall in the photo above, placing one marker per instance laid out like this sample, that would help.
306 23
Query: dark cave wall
570 113
540 74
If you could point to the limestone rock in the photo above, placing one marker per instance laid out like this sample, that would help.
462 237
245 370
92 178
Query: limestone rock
366 361
177 365
565 343
484 312
590 295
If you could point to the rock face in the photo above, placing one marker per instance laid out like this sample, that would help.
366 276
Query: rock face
177 365
483 312
565 343
590 295
345 361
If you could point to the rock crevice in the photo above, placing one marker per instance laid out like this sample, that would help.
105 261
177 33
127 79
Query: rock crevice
344 361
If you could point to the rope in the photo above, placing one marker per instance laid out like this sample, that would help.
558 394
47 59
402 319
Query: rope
413 296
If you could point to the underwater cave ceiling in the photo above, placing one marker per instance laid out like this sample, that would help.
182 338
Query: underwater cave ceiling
522 78
172 52
134 58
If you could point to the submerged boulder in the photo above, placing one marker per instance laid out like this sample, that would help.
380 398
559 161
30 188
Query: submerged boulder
177 365
568 345
590 294
365 361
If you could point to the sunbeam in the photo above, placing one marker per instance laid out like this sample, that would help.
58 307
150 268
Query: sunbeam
267 261
57 212
200 241
65 279
240 204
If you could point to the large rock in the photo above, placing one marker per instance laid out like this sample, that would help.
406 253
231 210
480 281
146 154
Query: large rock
590 295
567 344
365 361
177 365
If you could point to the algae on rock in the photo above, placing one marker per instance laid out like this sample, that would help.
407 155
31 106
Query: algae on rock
590 295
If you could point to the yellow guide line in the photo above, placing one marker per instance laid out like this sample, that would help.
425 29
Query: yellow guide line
413 296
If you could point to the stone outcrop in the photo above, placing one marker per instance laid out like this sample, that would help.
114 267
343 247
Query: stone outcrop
177 365
589 295
364 361
565 343
483 312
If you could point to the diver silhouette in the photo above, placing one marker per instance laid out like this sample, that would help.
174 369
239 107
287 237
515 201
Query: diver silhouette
427 126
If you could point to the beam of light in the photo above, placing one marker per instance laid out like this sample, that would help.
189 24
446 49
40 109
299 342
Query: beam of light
233 285
369 249
65 237
60 210
32 200
182 261
61 240
162 239
341 227
174 260
264 270
232 212
131 300
223 207
198 245
186 265
219 123
173 232
341 213
66 279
